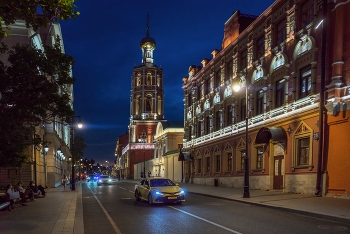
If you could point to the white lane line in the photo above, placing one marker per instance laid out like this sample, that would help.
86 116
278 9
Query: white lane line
205 220
122 188
108 216
131 191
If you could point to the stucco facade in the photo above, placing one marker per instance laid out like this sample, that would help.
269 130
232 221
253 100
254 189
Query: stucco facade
297 87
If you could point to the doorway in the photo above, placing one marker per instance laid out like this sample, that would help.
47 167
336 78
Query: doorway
278 172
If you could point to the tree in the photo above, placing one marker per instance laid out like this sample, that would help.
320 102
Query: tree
79 146
36 13
34 88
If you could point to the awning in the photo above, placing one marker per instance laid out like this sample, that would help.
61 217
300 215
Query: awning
277 134
185 156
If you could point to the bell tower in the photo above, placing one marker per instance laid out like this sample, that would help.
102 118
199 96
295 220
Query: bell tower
147 94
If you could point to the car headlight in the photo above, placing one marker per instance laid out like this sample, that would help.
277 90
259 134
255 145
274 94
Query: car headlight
99 180
109 180
158 193
182 192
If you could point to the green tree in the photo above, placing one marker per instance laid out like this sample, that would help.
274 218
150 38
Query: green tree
36 13
34 88
79 147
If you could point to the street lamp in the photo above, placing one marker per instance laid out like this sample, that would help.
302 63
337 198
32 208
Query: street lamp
143 140
246 193
80 125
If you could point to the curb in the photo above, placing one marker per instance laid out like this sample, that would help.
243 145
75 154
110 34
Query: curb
290 210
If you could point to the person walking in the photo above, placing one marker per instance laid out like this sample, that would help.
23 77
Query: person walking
64 181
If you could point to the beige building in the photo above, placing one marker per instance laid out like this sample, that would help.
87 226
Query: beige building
166 153
46 168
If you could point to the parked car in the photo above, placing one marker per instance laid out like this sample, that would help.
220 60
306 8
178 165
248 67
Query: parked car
159 190
104 179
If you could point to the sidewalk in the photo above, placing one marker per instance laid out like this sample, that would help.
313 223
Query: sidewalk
59 212
330 208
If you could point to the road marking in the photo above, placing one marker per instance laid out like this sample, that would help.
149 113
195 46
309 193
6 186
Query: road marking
108 216
122 188
131 191
205 220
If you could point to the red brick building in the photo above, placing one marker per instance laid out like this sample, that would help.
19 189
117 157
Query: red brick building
294 68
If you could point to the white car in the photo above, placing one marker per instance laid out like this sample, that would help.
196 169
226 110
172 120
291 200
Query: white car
159 190
104 179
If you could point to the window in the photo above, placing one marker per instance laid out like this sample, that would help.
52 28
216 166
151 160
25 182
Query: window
229 161
149 79
244 59
189 133
207 125
199 128
189 99
242 159
260 102
260 47
307 13
303 151
243 109
228 115
218 120
199 165
217 160
279 93
259 158
207 164
198 93
217 79
305 81
281 32
207 86
229 70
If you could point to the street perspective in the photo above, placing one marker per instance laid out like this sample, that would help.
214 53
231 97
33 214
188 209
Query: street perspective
174 117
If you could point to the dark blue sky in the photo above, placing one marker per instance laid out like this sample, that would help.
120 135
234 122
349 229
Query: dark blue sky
104 41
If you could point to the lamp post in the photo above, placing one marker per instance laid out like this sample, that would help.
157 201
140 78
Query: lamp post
80 125
143 140
46 149
182 159
246 193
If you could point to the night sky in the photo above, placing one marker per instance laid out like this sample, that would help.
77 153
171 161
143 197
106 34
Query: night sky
104 41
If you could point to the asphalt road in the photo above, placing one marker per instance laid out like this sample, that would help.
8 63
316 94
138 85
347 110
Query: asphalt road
113 209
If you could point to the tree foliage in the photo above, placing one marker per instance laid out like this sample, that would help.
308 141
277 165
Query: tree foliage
34 88
79 146
36 13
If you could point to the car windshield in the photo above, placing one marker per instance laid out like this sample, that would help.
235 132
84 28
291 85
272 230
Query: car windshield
104 176
161 182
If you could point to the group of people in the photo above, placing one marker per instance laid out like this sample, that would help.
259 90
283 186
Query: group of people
21 193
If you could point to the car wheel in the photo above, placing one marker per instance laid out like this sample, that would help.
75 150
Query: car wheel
137 196
150 199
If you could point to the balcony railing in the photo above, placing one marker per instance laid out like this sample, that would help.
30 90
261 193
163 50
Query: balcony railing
283 112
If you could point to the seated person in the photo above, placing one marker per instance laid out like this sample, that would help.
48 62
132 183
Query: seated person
34 188
27 192
14 195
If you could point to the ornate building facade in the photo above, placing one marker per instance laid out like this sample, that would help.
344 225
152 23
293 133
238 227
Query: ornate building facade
146 110
294 68
45 168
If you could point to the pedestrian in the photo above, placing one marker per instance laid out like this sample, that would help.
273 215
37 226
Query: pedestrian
64 181
149 174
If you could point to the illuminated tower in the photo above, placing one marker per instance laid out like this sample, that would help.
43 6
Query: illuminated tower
147 94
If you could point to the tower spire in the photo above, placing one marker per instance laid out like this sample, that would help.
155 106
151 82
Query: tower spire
147 25
148 45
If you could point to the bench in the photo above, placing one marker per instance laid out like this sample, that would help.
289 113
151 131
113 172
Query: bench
4 203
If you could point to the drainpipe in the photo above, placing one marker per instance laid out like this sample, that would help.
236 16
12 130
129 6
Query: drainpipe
322 108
